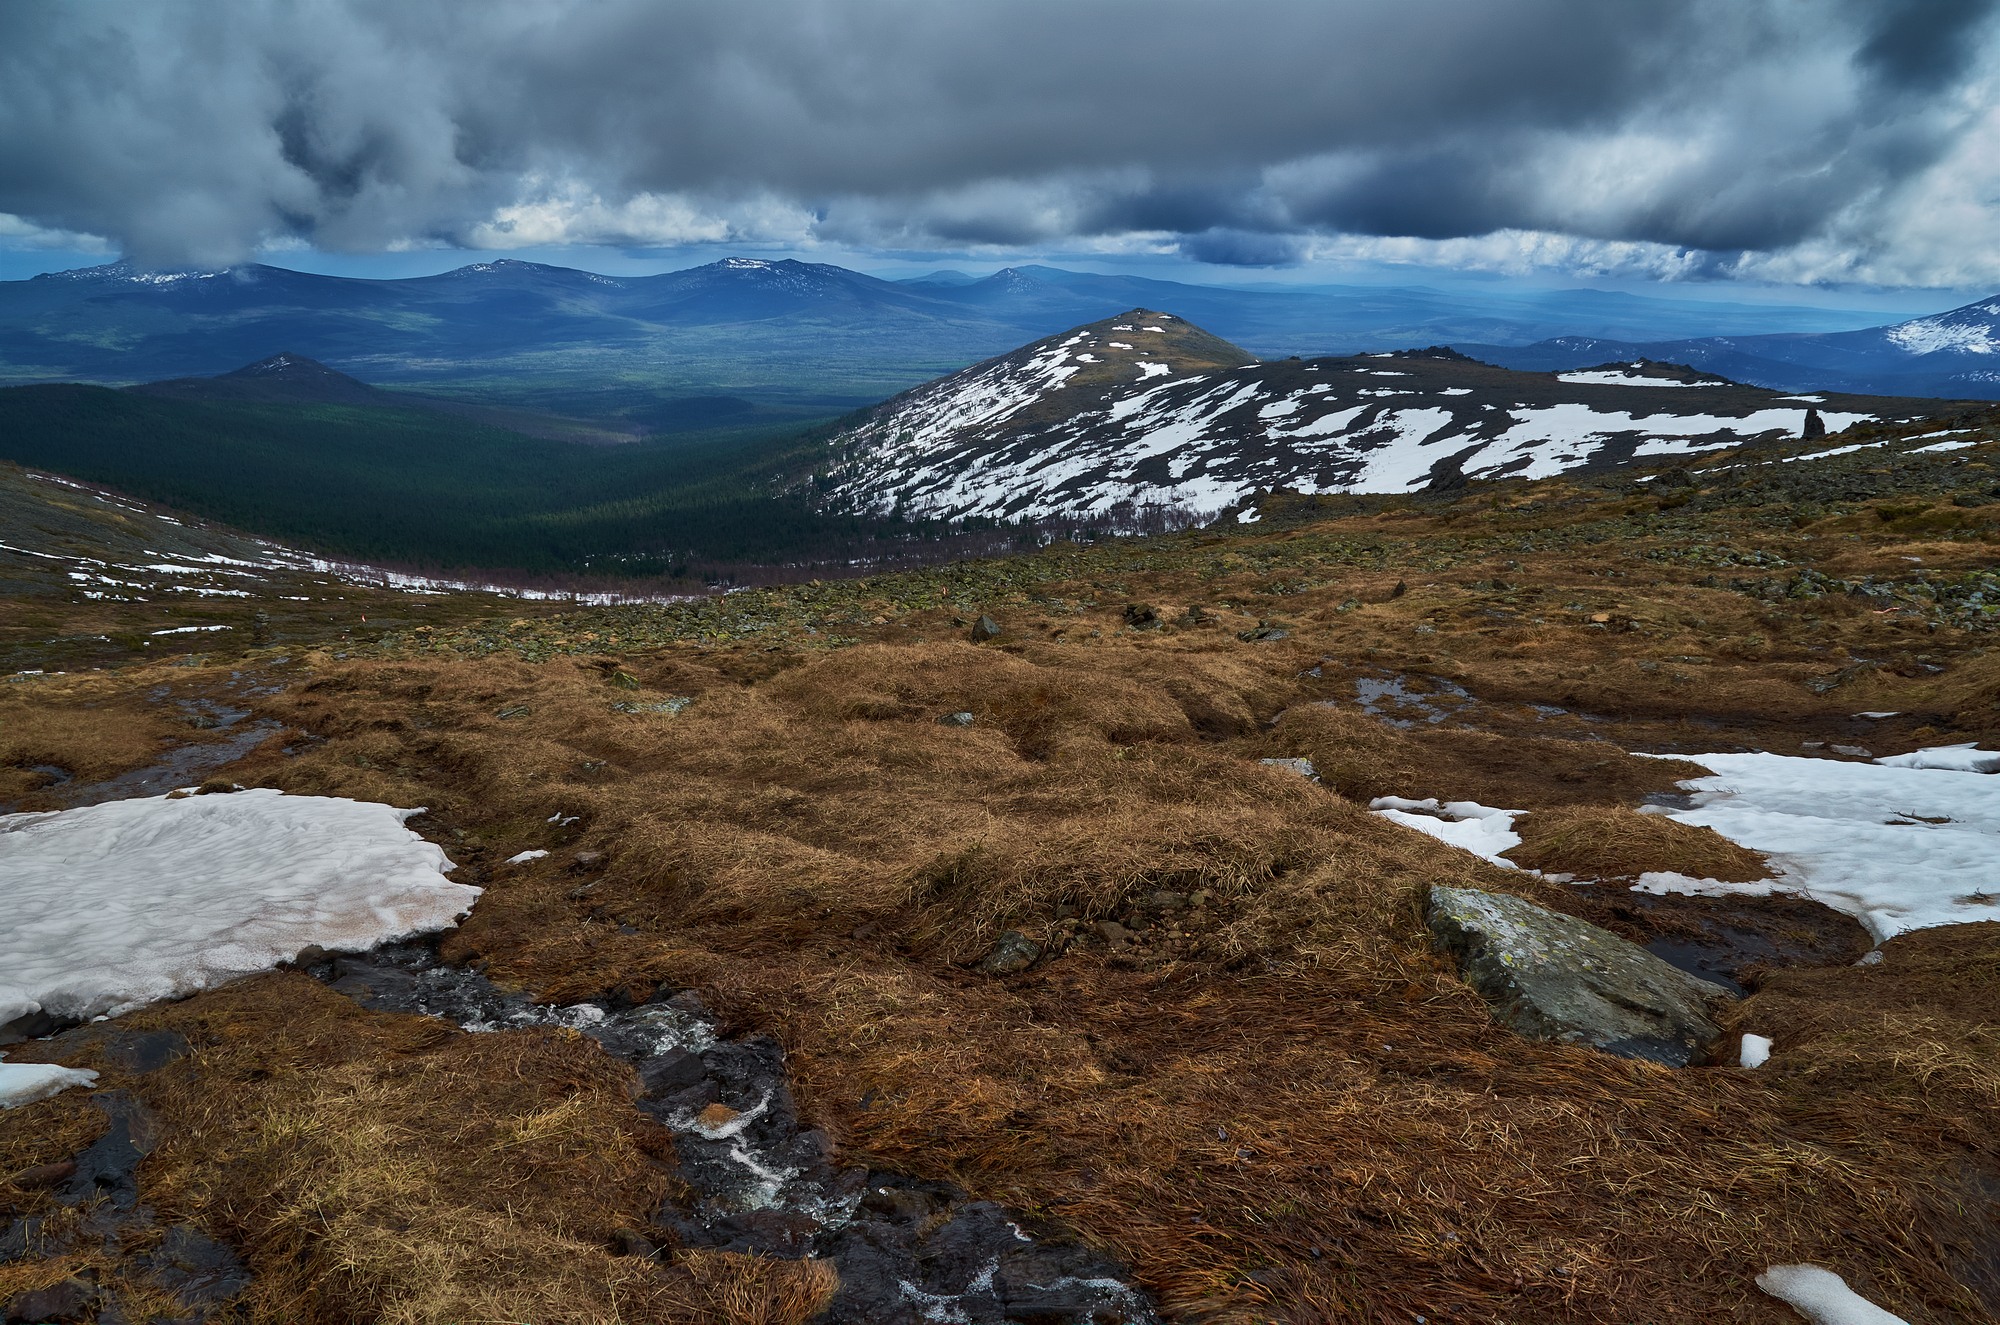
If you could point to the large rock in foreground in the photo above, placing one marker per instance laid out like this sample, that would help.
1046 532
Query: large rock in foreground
1554 977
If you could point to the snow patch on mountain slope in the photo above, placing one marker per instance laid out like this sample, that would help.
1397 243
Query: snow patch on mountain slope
1600 378
1024 437
1930 335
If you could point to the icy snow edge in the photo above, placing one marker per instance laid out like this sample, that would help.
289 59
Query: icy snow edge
117 905
1822 1296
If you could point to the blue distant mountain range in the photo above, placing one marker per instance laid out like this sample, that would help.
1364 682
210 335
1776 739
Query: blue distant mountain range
748 336
1954 354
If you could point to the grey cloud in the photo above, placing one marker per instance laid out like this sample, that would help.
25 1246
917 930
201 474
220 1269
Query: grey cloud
1918 44
190 132
1243 248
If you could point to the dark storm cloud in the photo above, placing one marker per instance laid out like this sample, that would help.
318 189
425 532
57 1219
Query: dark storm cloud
1919 44
1243 248
187 131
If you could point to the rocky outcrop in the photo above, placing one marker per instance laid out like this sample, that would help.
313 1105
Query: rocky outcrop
1554 977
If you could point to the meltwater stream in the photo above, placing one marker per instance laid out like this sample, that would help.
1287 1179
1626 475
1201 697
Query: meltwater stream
907 1251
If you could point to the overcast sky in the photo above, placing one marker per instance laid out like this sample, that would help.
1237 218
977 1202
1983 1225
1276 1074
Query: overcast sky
1735 140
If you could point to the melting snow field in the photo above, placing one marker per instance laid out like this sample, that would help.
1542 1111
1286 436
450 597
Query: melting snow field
1468 825
1901 844
1904 843
1601 378
121 904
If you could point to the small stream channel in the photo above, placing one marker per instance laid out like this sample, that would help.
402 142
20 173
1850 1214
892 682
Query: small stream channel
908 1251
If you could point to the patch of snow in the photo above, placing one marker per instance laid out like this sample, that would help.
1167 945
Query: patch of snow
1456 391
1896 847
1822 1296
1249 516
1149 370
1755 1051
1822 455
1624 379
1468 825
189 630
24 1083
525 857
1806 400
1944 446
1932 334
116 905
1966 758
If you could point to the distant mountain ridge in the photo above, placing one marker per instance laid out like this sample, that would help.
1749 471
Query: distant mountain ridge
1955 354
1146 410
791 339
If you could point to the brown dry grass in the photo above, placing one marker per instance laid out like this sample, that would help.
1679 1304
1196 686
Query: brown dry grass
389 1168
94 727
1613 842
1278 1104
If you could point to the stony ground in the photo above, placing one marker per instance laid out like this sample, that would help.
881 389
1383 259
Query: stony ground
989 851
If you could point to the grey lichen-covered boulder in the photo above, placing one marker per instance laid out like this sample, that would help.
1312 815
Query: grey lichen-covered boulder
1554 977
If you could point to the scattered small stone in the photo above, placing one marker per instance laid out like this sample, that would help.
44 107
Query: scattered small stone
1303 767
1263 632
72 1299
959 719
512 711
1852 751
985 628
589 860
716 1115
1142 616
627 1243
1013 951
1116 934
670 706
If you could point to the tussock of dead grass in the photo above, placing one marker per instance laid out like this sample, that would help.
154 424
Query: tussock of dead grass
92 727
1363 758
1614 842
